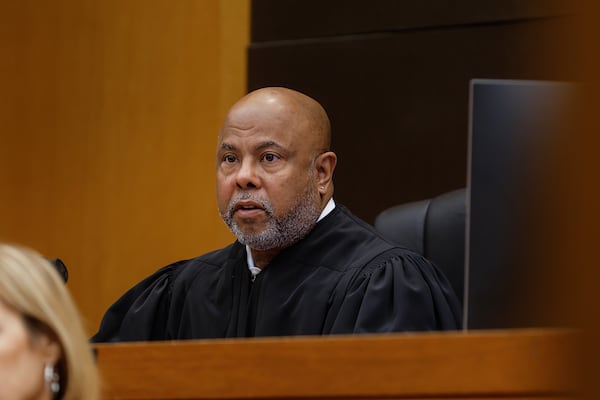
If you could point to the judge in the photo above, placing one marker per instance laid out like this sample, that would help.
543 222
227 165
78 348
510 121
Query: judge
302 263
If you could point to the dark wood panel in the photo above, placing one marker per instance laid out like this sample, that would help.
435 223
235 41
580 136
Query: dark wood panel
399 101
294 19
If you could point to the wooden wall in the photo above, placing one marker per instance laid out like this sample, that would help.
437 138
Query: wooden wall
574 253
394 76
108 120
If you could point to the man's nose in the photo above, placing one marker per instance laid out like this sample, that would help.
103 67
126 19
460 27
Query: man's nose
247 177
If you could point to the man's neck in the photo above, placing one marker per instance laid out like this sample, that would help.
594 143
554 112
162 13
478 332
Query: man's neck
262 258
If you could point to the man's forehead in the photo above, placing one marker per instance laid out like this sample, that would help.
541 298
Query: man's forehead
260 132
250 114
259 123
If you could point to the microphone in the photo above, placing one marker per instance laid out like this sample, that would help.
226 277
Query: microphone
60 267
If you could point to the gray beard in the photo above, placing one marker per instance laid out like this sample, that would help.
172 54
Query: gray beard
280 232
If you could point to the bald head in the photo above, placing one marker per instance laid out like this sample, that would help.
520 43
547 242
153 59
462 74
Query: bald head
286 106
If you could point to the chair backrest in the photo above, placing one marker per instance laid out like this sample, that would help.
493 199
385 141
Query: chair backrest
434 228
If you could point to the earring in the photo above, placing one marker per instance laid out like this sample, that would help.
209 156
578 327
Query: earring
51 377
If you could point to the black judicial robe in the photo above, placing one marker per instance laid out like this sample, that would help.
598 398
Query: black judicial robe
342 278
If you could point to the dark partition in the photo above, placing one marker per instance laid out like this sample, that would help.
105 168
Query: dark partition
394 78
518 131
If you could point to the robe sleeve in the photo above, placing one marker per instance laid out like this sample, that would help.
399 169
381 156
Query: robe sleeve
142 312
400 293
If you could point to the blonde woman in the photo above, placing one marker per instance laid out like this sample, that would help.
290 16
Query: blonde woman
44 351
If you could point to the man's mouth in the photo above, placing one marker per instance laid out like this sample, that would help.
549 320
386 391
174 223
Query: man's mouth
248 209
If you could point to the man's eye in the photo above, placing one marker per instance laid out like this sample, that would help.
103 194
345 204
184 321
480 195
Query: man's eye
229 158
270 157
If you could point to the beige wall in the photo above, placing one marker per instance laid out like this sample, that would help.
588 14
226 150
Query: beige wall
108 119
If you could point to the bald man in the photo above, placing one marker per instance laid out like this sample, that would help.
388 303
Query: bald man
301 265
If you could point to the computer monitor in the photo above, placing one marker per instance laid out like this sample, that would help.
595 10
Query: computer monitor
515 134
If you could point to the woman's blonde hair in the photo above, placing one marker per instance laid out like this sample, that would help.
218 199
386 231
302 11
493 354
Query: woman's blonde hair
30 285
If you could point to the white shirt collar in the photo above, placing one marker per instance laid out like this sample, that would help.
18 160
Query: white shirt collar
328 208
254 270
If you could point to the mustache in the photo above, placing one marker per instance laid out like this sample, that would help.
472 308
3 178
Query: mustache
252 197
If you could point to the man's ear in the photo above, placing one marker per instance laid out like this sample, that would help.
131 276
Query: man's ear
325 165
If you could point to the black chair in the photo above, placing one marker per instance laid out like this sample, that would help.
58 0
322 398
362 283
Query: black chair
434 228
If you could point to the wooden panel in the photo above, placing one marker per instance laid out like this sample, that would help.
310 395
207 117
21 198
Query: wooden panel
275 20
399 101
517 364
109 117
577 229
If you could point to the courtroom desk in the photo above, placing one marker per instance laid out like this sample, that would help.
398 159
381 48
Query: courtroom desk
512 364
